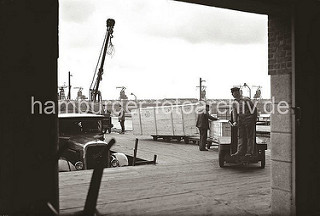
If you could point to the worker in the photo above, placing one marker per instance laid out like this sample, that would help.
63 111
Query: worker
203 126
121 119
244 115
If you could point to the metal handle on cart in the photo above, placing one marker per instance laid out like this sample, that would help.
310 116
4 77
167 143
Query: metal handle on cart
231 123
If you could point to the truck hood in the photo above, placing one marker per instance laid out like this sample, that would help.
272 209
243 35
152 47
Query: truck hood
77 142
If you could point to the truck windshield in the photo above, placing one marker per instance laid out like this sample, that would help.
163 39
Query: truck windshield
79 126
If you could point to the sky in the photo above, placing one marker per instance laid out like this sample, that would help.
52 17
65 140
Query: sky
162 48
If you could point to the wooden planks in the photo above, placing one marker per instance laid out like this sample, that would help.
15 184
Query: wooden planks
177 120
163 120
184 189
136 121
186 181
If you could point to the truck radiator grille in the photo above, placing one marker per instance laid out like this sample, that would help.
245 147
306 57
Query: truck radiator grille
95 154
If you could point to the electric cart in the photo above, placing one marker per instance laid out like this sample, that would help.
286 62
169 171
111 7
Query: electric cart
229 147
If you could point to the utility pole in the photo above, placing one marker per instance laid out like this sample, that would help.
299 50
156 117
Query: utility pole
202 90
69 80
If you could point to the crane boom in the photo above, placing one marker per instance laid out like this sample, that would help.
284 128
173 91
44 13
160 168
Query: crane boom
94 89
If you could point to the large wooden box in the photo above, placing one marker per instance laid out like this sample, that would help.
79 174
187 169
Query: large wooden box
220 128
177 120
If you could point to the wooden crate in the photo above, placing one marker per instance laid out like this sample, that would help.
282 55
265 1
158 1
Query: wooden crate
177 120
220 128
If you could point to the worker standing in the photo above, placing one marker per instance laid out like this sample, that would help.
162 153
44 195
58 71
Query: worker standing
203 125
122 119
244 115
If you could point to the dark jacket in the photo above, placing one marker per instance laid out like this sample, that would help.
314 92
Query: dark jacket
122 116
203 120
244 111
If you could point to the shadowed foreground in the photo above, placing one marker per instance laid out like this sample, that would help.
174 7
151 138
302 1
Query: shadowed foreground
184 182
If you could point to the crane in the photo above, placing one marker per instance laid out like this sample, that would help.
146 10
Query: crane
122 93
80 96
257 95
61 94
94 93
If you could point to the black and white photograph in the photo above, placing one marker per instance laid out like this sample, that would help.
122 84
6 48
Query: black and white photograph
162 107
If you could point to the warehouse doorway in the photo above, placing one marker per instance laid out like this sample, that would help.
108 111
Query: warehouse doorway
41 181
177 59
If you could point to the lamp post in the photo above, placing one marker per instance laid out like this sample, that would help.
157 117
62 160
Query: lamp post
135 98
245 85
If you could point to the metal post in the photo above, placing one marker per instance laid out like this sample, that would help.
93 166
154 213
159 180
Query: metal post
154 159
135 153
69 80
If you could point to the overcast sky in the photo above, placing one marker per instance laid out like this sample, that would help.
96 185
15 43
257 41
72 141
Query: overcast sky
162 48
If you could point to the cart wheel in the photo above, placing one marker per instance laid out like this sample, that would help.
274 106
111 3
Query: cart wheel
155 138
179 139
263 159
186 140
222 154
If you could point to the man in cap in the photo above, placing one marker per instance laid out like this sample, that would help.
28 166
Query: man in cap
203 125
244 115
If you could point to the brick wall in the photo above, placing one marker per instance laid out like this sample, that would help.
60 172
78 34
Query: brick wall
282 156
279 41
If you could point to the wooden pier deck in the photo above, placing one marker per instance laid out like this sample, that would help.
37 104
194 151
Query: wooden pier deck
185 181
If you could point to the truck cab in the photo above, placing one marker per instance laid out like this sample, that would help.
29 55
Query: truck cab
82 138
